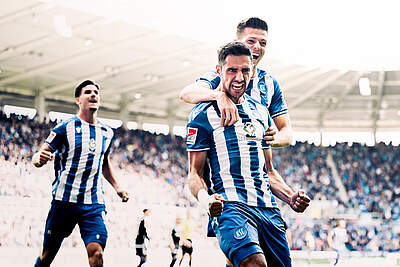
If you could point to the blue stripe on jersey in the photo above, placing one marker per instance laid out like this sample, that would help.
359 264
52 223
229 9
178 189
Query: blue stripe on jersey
96 177
234 158
75 162
88 167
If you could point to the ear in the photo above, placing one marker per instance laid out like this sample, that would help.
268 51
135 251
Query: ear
77 100
218 69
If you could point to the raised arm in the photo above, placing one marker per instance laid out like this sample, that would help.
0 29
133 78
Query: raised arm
298 201
201 91
108 173
213 204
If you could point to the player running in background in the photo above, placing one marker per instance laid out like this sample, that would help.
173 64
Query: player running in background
141 248
176 237
187 244
247 221
262 86
337 239
82 148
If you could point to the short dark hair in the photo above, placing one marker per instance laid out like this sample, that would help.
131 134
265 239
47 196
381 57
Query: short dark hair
233 49
78 89
144 210
253 22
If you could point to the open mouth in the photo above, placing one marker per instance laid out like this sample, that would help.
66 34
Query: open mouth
256 56
237 87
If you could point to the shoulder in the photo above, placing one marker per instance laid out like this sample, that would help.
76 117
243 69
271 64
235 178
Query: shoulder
265 75
200 111
61 127
106 129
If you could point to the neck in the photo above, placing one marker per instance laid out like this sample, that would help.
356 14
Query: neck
254 72
237 100
89 116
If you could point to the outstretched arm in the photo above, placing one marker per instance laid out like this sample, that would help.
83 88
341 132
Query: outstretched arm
200 91
213 204
298 201
108 173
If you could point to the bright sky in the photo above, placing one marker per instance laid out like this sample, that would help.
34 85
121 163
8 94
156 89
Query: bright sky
344 34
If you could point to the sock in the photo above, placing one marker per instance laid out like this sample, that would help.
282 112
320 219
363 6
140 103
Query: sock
190 262
38 263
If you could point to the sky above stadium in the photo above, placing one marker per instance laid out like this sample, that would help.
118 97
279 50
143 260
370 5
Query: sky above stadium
335 34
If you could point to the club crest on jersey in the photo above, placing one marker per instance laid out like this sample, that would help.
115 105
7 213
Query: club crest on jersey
240 233
191 135
78 130
250 129
92 145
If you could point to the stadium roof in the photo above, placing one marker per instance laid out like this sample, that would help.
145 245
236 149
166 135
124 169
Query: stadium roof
143 54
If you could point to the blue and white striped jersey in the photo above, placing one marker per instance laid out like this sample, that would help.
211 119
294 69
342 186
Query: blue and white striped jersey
235 153
80 151
267 91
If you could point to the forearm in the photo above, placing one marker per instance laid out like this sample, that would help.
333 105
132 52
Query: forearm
197 92
283 137
196 184
279 187
108 174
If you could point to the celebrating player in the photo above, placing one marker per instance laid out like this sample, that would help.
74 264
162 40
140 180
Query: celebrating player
247 221
82 148
262 86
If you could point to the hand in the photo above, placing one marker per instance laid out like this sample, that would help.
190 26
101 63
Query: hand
216 205
299 201
42 157
269 135
229 112
124 195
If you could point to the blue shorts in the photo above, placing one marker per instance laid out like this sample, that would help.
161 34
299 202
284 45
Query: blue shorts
244 230
63 216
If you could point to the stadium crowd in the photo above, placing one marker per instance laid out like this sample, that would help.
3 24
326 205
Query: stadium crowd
153 165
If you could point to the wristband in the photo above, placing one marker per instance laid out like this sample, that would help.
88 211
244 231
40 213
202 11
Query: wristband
204 198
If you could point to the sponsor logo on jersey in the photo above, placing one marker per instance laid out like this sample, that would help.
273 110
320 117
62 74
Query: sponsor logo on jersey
250 129
240 233
191 135
50 138
92 145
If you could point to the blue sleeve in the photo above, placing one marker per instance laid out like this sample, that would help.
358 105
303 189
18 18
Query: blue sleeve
109 149
278 104
211 78
198 136
263 142
56 137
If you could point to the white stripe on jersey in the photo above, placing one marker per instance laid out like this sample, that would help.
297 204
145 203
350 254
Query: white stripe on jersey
269 84
255 92
223 155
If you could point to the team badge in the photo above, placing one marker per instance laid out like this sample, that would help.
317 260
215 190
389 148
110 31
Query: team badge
250 129
50 138
240 233
191 136
78 130
92 145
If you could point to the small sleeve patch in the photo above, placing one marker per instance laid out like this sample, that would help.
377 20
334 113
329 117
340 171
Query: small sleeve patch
51 137
191 135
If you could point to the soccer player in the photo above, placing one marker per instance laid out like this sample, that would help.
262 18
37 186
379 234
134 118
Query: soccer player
262 87
176 237
82 148
337 239
141 249
247 221
187 244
